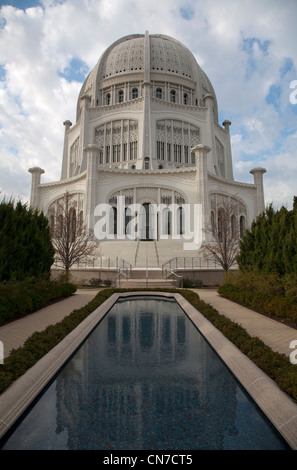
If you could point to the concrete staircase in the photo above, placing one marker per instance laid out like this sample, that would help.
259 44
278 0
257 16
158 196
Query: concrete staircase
146 259
142 254
145 278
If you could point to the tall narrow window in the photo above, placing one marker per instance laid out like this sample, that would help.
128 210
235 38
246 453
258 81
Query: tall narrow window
108 99
242 226
159 93
134 93
172 96
186 98
121 96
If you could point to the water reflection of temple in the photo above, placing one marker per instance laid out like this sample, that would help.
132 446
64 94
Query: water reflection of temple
142 379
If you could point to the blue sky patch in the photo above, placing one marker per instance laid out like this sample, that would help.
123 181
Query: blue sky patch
187 12
249 45
2 73
20 4
77 70
274 96
288 66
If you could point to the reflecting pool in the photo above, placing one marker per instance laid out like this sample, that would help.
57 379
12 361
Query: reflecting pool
144 379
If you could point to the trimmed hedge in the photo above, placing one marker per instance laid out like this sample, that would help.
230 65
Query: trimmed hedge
275 365
268 294
19 298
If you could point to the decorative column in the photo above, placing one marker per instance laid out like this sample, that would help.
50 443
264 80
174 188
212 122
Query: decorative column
209 137
65 163
201 152
258 182
84 137
92 156
36 175
228 154
146 152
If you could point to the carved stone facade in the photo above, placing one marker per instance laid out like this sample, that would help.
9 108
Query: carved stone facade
147 129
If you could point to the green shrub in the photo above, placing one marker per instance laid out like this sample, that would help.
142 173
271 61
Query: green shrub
265 293
26 249
19 298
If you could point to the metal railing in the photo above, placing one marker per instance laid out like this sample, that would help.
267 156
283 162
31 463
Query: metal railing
184 262
101 263
117 278
178 279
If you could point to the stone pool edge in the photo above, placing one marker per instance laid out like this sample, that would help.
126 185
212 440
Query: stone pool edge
276 405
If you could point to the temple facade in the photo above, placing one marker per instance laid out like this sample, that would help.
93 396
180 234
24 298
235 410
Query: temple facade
147 137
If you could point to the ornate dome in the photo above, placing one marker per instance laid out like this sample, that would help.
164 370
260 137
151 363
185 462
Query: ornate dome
148 57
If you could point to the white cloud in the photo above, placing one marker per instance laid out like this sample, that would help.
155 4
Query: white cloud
247 48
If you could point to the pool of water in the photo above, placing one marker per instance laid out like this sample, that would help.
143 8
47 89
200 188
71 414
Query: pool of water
144 379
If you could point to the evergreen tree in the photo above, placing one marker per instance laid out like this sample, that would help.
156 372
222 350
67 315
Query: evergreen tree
25 242
270 245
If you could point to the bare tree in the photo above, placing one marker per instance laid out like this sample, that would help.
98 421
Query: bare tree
70 236
224 232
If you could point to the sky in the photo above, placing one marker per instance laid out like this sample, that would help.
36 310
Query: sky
247 48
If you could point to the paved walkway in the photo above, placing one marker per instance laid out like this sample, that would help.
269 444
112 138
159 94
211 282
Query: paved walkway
14 334
271 332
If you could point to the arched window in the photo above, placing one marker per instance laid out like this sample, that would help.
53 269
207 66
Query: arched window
72 224
121 96
221 223
213 224
180 221
242 225
186 98
172 96
60 223
147 163
52 224
159 93
108 99
167 221
81 221
134 93
233 226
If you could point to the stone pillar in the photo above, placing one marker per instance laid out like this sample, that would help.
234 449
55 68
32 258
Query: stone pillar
65 163
258 182
146 148
201 152
92 153
228 154
209 137
84 135
36 175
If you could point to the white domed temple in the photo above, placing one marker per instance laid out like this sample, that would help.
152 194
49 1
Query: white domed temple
147 135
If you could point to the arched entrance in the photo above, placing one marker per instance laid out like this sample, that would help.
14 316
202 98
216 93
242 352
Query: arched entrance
148 222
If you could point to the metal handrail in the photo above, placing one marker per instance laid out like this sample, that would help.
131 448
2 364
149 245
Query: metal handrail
180 278
122 271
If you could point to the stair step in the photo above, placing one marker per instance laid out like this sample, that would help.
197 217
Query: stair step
142 283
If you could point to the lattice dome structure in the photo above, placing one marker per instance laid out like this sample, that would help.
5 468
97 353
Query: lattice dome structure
147 130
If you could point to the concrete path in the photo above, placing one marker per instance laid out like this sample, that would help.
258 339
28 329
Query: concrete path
14 334
271 332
